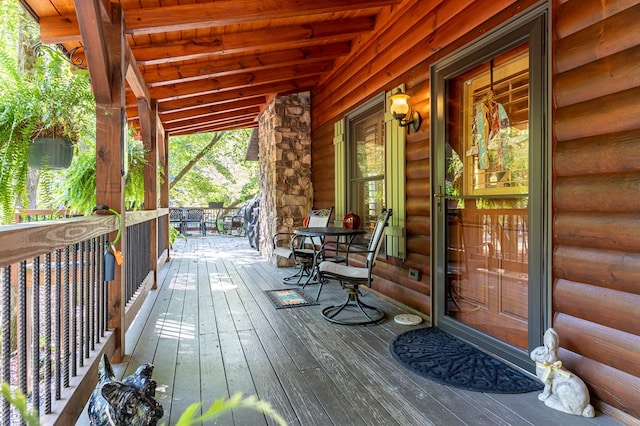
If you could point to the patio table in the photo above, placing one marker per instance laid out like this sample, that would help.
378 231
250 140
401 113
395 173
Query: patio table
323 232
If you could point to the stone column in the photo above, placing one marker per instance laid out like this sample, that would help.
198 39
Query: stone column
285 168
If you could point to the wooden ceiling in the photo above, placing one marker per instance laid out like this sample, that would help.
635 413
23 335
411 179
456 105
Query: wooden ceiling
214 65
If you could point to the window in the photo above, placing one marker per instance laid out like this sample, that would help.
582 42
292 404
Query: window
366 163
370 169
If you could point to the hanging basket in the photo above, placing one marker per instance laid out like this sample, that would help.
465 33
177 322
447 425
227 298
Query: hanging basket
50 153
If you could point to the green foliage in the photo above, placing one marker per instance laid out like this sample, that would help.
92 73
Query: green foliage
19 401
221 406
79 190
174 233
188 417
40 97
222 174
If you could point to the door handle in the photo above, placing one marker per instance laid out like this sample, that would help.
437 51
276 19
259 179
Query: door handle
439 195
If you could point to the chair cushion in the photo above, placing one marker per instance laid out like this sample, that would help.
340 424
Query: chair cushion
340 270
283 252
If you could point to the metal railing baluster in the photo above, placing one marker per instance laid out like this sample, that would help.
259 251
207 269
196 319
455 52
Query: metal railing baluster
23 338
57 312
91 296
81 296
74 312
35 335
86 300
5 318
46 351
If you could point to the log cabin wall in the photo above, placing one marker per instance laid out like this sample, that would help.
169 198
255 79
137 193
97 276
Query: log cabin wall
400 51
596 166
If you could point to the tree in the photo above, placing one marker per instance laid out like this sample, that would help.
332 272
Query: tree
221 172
216 137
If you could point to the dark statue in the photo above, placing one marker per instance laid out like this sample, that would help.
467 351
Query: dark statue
251 225
130 402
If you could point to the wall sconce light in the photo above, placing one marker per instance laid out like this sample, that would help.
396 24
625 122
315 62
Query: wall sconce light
403 112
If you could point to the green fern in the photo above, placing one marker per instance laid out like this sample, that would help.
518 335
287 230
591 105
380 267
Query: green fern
40 96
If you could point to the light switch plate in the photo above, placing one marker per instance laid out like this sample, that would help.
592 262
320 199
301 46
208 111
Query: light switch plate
414 274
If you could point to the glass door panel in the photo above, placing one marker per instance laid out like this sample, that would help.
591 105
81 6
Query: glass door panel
487 197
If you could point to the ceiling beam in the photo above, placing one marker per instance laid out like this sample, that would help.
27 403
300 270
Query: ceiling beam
247 124
206 105
284 87
210 112
64 29
273 38
224 12
89 13
210 118
221 66
134 77
236 81
207 109
195 124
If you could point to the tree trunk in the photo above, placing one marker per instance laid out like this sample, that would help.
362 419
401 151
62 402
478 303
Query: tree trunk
216 137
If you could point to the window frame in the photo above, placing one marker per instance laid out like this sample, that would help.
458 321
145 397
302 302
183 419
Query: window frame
375 105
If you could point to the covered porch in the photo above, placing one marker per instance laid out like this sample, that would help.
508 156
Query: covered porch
180 67
210 331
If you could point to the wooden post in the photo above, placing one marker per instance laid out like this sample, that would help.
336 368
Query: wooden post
163 139
148 125
105 51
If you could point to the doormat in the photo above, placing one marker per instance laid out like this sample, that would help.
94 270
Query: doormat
289 298
446 359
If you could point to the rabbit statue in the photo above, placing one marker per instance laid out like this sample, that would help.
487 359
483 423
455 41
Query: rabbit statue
563 391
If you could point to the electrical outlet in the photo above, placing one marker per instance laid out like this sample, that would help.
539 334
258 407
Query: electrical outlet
414 274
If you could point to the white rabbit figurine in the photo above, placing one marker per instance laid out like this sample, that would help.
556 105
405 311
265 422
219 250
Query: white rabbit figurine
563 391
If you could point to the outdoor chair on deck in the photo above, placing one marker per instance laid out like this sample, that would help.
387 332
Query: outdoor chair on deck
351 278
302 249
195 219
176 219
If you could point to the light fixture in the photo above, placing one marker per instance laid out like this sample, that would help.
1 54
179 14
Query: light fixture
401 110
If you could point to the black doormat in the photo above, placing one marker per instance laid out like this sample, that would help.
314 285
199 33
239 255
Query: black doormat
289 298
443 358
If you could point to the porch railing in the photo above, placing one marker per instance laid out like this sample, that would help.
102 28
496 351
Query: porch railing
55 306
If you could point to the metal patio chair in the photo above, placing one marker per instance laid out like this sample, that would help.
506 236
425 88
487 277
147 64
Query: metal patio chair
351 278
302 249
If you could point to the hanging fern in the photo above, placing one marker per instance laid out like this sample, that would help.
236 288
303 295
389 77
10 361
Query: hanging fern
40 97
79 191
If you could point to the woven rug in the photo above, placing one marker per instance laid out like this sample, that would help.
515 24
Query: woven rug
443 358
289 298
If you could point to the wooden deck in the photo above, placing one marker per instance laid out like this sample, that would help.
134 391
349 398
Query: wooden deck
210 331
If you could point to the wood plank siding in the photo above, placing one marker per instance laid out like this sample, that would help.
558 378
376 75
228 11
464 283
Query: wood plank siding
595 163
596 262
401 52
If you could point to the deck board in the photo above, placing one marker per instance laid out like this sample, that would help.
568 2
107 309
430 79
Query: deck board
211 331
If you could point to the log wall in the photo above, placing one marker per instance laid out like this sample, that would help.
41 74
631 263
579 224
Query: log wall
596 166
401 51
